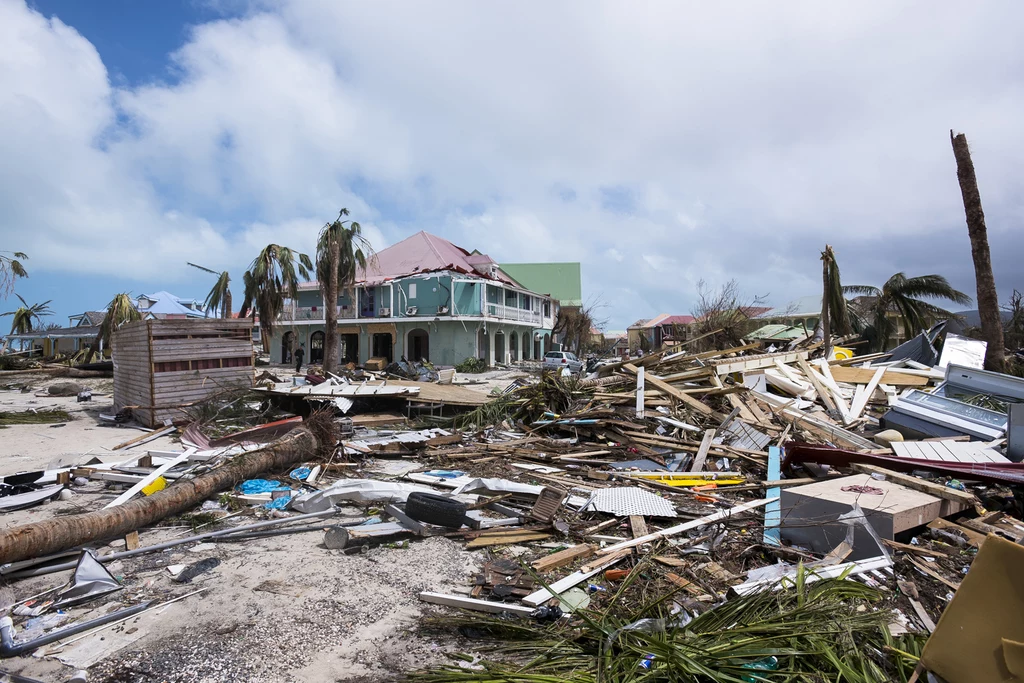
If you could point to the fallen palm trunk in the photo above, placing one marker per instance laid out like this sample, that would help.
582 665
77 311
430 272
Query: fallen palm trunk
55 535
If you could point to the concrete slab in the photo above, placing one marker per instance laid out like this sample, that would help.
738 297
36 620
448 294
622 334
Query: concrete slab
809 512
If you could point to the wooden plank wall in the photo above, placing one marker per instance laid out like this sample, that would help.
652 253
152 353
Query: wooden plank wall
132 366
189 361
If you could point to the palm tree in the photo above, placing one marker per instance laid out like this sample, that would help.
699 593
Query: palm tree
835 316
120 311
341 252
272 277
900 299
219 298
10 269
988 299
24 317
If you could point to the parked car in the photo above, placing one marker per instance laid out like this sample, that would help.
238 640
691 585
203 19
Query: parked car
556 360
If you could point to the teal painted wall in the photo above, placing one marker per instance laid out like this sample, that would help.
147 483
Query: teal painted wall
467 298
309 298
430 292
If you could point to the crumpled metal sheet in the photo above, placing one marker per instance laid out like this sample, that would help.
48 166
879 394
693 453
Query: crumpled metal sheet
499 486
91 580
629 500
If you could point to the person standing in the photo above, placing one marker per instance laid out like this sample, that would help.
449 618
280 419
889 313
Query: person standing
299 353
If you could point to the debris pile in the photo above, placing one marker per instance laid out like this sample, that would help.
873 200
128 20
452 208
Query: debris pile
705 516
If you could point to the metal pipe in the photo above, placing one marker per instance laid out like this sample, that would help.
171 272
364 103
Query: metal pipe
8 648
40 571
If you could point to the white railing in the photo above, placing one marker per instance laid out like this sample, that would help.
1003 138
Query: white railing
315 313
512 313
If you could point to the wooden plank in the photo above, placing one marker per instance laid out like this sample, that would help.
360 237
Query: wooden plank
916 549
563 557
562 585
142 438
773 511
702 453
861 401
147 480
638 526
687 526
640 393
823 393
865 375
837 395
756 362
485 541
473 604
934 574
671 390
921 485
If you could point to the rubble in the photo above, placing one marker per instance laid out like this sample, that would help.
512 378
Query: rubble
586 519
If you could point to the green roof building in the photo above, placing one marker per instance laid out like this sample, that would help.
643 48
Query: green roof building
560 281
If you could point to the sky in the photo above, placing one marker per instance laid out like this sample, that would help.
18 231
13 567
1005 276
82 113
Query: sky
659 143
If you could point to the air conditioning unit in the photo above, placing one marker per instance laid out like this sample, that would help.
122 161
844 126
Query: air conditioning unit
411 310
384 313
442 310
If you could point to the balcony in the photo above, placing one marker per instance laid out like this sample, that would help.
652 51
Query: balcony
314 313
512 313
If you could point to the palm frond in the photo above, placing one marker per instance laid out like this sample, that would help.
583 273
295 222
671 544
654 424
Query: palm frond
862 289
934 287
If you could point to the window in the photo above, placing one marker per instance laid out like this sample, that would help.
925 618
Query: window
547 309
412 290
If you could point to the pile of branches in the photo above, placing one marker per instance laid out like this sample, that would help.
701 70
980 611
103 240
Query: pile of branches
831 630
528 403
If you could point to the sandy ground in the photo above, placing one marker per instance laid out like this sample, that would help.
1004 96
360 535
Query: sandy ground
283 608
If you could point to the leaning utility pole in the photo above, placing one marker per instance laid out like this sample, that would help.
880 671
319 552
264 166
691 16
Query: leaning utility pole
988 299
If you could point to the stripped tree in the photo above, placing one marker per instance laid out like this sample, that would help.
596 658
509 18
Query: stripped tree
988 298
11 268
341 252
219 298
835 317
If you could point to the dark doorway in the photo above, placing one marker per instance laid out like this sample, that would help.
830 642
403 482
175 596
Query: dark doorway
536 349
499 348
287 342
381 345
349 348
316 347
419 345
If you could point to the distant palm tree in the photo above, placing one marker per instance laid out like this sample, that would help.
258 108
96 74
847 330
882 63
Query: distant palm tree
272 277
219 298
10 269
341 251
24 317
120 311
900 300
835 317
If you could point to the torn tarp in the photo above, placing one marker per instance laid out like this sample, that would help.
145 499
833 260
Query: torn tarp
358 491
91 580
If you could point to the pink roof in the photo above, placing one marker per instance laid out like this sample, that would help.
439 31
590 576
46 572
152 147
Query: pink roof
676 320
656 320
424 253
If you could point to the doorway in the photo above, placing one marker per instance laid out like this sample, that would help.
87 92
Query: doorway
483 350
513 347
526 346
316 348
287 342
349 344
418 346
499 347
381 344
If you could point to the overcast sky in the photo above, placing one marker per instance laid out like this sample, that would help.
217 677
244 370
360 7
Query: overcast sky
656 143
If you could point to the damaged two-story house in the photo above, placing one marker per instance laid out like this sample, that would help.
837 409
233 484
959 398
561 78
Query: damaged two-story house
423 298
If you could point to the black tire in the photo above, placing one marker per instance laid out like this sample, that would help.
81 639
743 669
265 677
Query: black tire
434 509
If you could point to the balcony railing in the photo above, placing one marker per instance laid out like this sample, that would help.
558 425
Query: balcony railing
512 313
316 313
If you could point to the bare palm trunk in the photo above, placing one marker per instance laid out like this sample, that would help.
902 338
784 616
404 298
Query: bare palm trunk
826 328
331 307
988 299
61 533
227 304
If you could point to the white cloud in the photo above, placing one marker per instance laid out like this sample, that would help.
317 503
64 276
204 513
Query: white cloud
734 141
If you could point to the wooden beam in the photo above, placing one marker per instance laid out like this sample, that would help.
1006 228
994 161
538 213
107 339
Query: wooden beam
144 438
823 392
671 390
562 585
563 557
473 604
147 480
687 526
638 525
861 401
702 452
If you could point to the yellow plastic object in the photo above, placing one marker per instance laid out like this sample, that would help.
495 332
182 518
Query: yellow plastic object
841 353
672 481
158 484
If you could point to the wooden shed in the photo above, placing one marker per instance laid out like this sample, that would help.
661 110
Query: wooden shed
161 365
